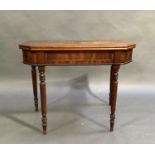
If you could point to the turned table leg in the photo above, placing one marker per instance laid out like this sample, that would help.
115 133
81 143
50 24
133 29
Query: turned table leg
113 93
110 84
34 84
43 97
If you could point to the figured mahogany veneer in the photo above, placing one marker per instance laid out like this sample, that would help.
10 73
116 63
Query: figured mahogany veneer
76 53
46 53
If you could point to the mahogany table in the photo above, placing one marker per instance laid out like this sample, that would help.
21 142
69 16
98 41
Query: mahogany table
48 53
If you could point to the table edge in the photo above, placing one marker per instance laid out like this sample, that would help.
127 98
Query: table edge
74 48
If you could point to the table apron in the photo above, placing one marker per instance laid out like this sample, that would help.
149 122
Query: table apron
77 57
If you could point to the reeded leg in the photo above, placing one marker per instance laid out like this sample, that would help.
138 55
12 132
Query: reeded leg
34 84
43 97
110 83
113 93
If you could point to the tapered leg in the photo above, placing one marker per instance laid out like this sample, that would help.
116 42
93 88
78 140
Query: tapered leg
43 97
113 93
34 84
110 83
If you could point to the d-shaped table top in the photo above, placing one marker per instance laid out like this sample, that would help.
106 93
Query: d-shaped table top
76 45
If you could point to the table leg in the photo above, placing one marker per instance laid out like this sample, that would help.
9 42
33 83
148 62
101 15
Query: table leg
110 84
34 84
113 93
43 97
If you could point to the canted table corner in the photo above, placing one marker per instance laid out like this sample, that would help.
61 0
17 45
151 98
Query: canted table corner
49 53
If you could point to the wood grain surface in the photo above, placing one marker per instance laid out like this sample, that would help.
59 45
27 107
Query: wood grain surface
76 45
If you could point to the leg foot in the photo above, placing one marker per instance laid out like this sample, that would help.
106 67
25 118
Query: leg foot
112 118
44 123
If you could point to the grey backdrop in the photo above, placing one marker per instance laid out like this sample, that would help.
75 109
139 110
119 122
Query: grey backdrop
135 26
15 79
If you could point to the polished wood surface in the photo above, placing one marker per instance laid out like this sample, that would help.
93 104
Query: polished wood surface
47 53
76 45
76 53
77 57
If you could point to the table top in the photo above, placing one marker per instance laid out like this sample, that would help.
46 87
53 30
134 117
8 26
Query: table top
77 45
